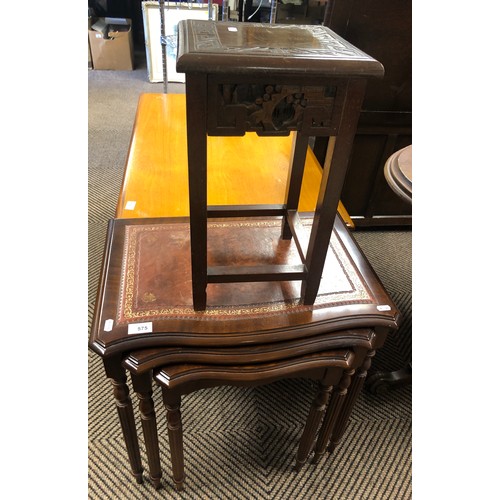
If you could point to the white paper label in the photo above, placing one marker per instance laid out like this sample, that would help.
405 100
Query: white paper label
232 28
140 328
384 308
108 325
130 205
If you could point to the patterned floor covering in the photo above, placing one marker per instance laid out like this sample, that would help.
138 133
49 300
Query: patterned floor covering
240 443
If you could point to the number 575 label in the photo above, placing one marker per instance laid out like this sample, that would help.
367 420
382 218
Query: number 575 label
140 328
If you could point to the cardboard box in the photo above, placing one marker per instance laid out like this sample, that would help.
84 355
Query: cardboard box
111 43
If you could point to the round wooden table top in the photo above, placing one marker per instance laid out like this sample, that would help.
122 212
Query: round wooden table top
397 171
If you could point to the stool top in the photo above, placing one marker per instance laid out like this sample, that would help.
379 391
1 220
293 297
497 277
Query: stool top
253 48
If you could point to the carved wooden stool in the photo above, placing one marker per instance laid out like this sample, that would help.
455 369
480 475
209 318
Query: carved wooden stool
269 79
176 380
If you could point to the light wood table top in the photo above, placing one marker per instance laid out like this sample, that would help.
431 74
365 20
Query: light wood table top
241 170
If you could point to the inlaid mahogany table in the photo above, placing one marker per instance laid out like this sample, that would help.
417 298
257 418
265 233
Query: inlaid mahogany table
269 79
144 305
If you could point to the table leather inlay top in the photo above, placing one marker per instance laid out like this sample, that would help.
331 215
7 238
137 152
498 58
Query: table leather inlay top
156 281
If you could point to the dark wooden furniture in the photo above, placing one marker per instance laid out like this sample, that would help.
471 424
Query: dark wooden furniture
269 79
254 323
398 173
383 29
330 367
235 366
252 365
144 313
399 176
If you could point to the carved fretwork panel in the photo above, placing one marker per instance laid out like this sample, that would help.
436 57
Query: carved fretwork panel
274 109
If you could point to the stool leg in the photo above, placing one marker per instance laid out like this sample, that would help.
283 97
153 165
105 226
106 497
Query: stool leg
329 192
294 182
352 396
196 116
332 414
172 403
144 391
316 413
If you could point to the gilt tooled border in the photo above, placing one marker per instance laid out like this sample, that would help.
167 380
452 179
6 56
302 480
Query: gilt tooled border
359 293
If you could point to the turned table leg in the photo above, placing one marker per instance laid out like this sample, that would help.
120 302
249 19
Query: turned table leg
352 395
118 377
332 414
313 421
144 391
172 403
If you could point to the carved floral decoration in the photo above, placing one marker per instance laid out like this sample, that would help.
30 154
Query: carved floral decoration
274 108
